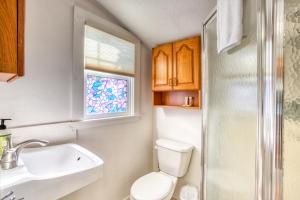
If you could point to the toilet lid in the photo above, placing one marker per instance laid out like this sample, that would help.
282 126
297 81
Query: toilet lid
153 186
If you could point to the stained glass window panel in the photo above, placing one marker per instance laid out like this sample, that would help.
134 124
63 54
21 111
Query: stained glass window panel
105 95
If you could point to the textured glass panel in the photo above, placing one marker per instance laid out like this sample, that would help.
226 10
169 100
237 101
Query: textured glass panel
231 122
107 52
106 95
291 126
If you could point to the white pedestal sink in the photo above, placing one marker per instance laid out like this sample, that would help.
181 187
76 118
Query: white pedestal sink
49 173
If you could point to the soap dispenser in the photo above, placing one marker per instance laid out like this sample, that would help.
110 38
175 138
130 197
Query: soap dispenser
5 137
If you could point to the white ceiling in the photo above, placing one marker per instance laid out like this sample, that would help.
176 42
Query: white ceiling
160 21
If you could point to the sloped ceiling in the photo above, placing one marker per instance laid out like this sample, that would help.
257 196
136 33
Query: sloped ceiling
160 21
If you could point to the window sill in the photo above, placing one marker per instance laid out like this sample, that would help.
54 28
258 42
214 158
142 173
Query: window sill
93 123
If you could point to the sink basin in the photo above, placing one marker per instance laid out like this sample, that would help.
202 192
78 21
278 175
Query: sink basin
58 160
50 173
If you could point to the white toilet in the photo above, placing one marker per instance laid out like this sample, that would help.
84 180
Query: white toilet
173 159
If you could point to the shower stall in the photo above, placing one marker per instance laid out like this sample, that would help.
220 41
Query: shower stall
291 100
251 106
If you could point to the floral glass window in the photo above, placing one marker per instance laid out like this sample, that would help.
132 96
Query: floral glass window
106 94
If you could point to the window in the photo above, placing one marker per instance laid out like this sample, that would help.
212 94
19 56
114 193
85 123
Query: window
109 72
106 69
107 94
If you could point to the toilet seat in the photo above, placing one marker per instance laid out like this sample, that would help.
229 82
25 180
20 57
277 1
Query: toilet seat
152 186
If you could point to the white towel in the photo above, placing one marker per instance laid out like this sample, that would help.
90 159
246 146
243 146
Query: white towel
229 24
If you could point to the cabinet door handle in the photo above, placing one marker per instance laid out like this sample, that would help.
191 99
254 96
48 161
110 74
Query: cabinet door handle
175 81
170 82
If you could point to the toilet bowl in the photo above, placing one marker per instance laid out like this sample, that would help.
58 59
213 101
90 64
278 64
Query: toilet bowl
173 159
153 186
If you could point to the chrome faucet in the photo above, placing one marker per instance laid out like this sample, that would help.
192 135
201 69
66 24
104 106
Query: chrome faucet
10 156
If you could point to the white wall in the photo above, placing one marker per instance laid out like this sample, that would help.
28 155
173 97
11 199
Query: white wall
182 125
44 95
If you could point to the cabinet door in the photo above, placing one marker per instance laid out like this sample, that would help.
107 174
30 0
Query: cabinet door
11 38
162 68
186 62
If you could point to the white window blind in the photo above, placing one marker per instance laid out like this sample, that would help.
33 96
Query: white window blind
107 53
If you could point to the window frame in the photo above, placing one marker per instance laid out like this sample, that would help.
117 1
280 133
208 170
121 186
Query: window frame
82 18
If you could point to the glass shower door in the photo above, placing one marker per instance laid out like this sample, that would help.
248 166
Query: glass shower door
231 115
291 102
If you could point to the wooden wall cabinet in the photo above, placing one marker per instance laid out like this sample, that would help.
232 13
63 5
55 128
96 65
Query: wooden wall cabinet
186 64
162 68
11 39
176 73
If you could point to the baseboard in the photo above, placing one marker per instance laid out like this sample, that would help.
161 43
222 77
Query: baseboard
126 198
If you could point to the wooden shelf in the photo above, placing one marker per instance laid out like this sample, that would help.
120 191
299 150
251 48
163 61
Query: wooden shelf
183 107
176 99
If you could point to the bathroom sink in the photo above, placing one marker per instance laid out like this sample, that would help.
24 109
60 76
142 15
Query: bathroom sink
50 173
58 160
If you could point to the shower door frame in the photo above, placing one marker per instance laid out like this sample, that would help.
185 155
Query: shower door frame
269 168
211 17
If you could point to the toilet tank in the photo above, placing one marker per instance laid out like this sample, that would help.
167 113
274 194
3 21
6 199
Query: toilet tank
173 157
